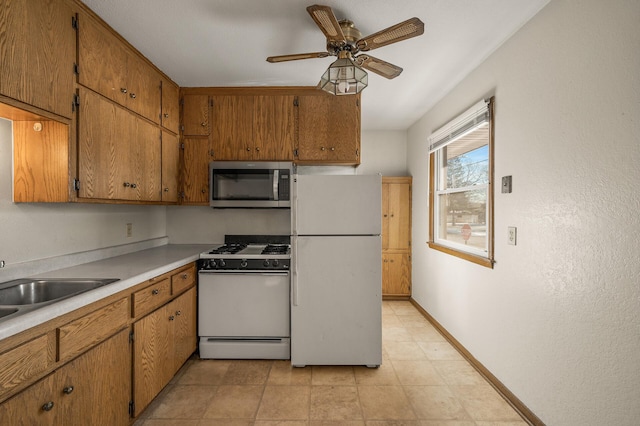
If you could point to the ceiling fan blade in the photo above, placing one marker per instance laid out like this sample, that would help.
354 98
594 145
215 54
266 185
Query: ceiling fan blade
378 66
326 20
296 56
410 28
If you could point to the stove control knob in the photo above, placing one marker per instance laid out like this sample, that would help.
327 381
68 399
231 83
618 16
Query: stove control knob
243 263
222 263
266 263
212 264
275 262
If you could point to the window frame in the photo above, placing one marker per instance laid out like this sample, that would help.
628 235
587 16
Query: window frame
488 260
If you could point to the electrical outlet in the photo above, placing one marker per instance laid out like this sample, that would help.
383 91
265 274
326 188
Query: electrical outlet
2 263
512 235
129 229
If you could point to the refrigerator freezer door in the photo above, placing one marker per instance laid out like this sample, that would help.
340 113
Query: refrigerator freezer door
337 205
336 311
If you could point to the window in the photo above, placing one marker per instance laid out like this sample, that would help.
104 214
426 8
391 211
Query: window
460 194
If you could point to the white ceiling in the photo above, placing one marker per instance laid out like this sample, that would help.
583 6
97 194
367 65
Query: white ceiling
226 42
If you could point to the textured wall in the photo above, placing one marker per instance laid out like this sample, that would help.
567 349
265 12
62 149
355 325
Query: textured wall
558 319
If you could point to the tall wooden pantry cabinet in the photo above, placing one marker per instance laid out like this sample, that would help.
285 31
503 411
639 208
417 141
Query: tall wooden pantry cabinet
396 237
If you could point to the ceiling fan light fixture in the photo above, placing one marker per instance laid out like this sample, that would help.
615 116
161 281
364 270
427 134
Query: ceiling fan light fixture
344 77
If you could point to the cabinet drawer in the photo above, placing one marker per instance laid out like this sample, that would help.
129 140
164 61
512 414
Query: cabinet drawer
151 297
83 333
183 280
23 363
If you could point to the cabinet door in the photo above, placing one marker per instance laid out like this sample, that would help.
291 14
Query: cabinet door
399 216
396 274
145 166
153 356
170 106
103 148
96 387
344 146
102 60
232 132
170 165
274 127
195 171
313 128
33 406
37 52
195 115
184 309
143 88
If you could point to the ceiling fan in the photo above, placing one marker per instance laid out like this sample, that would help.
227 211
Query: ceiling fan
344 40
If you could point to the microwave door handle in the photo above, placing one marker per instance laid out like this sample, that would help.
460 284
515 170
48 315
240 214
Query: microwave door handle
276 178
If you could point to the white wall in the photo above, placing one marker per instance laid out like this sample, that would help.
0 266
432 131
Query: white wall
384 152
35 231
558 318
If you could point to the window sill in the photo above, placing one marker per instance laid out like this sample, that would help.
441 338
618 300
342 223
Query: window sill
478 260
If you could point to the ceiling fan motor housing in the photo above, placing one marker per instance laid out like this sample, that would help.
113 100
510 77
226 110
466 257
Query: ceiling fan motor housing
351 35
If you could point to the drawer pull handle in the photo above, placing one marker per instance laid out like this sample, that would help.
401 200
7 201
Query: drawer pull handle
184 276
133 95
123 90
155 291
68 390
178 313
48 406
171 318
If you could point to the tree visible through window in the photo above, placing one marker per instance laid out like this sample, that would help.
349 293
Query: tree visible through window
460 186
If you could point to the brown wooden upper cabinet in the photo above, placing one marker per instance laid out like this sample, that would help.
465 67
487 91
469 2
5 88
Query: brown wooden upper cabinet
253 128
109 67
37 53
170 117
195 115
328 129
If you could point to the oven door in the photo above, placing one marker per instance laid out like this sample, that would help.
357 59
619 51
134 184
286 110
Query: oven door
243 304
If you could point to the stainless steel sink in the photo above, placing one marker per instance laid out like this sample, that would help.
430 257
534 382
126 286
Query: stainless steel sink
25 294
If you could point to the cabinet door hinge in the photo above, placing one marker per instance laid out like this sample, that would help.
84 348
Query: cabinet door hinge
132 408
210 102
295 101
76 184
75 104
181 194
182 128
182 145
76 69
131 338
74 22
357 102
295 152
357 153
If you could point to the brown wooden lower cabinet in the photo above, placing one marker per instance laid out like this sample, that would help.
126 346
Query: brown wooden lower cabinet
163 341
396 274
93 389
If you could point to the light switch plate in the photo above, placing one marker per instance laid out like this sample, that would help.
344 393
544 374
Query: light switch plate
512 233
506 184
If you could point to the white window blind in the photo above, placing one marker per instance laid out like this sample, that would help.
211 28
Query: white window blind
466 122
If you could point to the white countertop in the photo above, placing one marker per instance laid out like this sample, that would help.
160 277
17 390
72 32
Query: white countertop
131 269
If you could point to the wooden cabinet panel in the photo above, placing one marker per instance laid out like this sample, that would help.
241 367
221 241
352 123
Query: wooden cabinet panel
274 127
195 115
232 132
396 274
91 329
96 387
145 164
26 408
183 280
195 171
328 129
37 52
153 359
151 297
185 340
170 166
170 117
23 363
143 88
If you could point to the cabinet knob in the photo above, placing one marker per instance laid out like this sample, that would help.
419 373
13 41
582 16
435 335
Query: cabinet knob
166 190
204 191
48 406
123 90
171 318
67 390
178 312
384 215
203 124
166 115
133 95
391 215
126 184
322 148
184 276
257 149
333 149
133 185
155 291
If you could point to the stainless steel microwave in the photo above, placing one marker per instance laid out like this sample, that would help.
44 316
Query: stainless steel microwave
259 184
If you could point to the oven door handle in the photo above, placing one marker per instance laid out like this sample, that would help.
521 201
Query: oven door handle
219 272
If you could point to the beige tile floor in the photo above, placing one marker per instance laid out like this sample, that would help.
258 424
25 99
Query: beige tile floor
423 380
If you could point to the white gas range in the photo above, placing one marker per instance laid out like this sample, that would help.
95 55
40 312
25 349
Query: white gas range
243 298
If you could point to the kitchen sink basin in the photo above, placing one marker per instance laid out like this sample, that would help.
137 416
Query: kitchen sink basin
26 294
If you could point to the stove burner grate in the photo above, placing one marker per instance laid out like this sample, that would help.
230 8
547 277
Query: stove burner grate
229 248
276 249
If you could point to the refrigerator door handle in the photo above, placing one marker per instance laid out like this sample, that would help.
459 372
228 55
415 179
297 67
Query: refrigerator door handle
294 275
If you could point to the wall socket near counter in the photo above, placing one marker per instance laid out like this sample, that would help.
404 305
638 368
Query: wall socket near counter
512 232
129 229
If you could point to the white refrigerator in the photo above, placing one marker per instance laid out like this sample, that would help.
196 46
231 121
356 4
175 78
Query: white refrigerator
336 300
